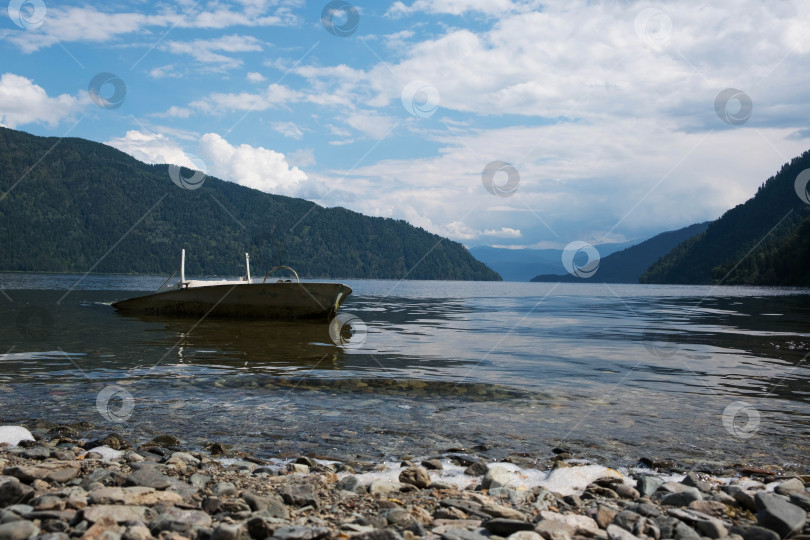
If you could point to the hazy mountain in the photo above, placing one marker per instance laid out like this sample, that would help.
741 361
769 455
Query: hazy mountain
72 205
524 264
626 266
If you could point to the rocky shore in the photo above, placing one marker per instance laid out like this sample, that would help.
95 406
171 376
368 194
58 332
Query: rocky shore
62 486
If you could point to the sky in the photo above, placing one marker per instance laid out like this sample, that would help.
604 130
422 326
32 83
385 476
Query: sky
511 123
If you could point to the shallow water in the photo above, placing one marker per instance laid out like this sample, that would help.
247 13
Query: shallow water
614 372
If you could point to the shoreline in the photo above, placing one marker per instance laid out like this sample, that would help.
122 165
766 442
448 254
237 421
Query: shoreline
63 486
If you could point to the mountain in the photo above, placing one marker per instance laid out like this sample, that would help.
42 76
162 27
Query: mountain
763 241
626 266
72 205
523 264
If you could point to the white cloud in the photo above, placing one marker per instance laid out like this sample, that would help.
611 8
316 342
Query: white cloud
207 51
255 77
167 71
288 129
23 102
274 96
503 232
452 7
254 167
372 125
152 148
88 24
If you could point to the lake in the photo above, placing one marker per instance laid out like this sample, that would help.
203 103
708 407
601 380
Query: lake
613 373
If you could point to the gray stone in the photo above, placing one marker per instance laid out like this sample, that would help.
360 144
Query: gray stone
554 530
713 528
199 480
626 519
647 485
118 513
52 536
37 452
685 532
301 533
225 531
479 468
378 534
433 464
179 520
415 476
801 499
693 479
221 489
505 527
778 514
789 486
500 511
398 517
746 500
497 477
17 530
682 498
270 506
626 492
13 491
149 477
348 483
525 535
615 532
53 471
754 533
464 534
300 495
383 487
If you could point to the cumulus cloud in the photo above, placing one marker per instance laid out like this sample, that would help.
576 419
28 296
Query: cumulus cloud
152 148
250 166
255 77
24 102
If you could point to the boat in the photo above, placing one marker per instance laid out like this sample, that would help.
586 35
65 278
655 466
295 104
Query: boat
279 299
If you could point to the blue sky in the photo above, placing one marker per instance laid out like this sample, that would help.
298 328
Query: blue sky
605 116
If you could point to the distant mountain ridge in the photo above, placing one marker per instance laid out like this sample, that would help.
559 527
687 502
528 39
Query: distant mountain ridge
524 264
628 265
763 241
65 203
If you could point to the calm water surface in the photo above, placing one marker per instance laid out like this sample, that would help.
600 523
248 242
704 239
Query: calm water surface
613 372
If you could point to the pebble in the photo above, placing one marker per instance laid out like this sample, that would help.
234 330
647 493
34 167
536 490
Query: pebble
682 498
479 468
415 476
300 495
433 464
222 489
18 530
615 532
647 485
496 477
149 477
778 514
301 533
